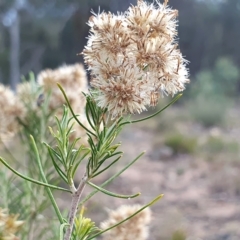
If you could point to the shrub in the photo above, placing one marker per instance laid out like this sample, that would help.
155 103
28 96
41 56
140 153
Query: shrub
217 148
180 143
212 92
179 235
209 110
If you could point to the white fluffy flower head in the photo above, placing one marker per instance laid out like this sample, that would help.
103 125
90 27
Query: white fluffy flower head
133 56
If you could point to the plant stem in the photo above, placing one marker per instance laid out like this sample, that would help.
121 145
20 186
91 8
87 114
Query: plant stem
155 114
32 180
50 195
74 206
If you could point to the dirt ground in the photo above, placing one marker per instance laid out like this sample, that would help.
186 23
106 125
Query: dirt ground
199 200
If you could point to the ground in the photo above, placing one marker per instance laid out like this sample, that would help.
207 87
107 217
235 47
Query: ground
201 196
195 167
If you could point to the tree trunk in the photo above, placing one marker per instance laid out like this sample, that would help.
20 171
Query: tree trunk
14 52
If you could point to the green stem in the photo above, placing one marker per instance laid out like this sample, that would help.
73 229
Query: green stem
50 195
31 179
111 179
153 115
63 225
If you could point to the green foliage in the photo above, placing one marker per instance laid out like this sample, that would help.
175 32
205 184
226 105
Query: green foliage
25 197
84 227
211 93
221 150
179 235
209 111
66 157
181 143
216 145
221 80
26 200
226 76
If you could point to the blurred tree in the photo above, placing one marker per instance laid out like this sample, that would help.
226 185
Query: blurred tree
208 30
10 19
74 33
18 14
230 19
53 32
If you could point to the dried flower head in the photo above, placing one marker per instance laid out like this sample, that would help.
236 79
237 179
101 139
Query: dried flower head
134 228
133 56
24 91
9 225
28 93
73 80
11 108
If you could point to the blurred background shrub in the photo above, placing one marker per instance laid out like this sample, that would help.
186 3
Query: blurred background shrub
213 92
180 143
198 137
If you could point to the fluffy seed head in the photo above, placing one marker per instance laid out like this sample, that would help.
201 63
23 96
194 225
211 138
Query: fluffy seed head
133 55
11 108
134 228
9 225
73 80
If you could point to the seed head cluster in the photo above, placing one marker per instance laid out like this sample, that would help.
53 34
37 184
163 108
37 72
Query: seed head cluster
134 56
11 108
27 93
73 80
134 228
30 96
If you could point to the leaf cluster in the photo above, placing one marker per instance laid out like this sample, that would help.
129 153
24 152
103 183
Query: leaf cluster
66 156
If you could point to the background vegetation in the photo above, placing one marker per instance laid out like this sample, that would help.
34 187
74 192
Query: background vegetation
193 149
53 32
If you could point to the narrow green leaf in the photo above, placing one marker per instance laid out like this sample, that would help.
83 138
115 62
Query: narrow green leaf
88 117
104 169
111 178
69 129
111 130
153 115
91 143
108 155
113 194
75 155
50 195
70 151
69 174
62 226
32 180
55 153
79 161
58 169
65 96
